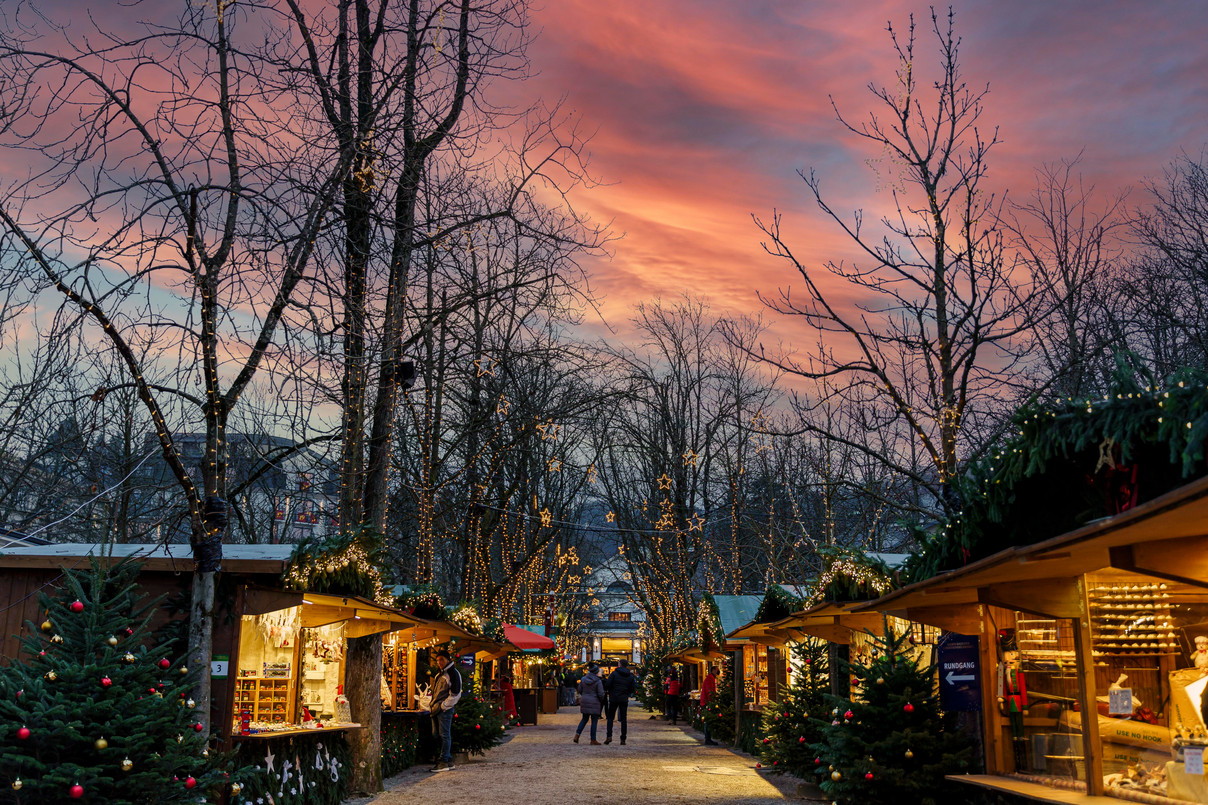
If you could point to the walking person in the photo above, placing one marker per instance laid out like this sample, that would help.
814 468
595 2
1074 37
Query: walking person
672 691
591 702
446 690
708 689
620 685
568 688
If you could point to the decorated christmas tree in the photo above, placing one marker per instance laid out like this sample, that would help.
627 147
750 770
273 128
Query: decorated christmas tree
890 743
98 710
792 725
719 712
477 722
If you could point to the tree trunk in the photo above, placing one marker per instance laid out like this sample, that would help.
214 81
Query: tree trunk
201 641
362 686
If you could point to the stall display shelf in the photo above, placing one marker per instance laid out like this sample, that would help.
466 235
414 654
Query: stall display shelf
1132 619
266 700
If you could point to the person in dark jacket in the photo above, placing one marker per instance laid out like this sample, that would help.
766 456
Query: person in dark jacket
620 685
446 690
591 702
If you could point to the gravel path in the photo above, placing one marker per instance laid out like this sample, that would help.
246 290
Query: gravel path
660 764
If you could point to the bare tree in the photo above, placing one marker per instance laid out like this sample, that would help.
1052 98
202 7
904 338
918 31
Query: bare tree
927 351
1071 246
153 206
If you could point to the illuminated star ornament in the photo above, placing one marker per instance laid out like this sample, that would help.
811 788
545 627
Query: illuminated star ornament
554 465
548 430
696 523
664 481
502 407
484 366
690 458
547 518
610 517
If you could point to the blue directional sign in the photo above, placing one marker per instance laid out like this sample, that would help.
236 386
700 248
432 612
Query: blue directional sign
960 673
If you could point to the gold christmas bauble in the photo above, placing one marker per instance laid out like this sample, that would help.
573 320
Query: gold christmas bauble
880 680
909 754
184 670
236 788
17 784
128 657
57 639
52 676
190 704
127 764
836 776
179 738
47 626
101 743
112 640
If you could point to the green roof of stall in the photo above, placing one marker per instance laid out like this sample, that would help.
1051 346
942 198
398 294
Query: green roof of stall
736 610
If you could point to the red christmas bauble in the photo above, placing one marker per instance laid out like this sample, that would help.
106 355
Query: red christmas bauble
106 682
198 727
868 775
477 726
848 714
775 762
190 782
801 740
766 740
786 715
908 707
817 761
129 631
23 733
77 791
77 607
759 765
165 664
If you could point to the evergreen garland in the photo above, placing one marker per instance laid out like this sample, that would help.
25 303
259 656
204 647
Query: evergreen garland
1062 464
777 603
346 563
708 620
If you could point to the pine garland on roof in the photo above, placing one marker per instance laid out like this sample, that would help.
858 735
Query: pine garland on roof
1071 462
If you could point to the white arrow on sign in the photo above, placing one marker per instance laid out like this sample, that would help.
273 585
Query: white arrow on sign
954 678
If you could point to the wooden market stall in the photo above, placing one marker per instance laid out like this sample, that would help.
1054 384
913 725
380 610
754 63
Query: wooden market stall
277 673
1111 620
532 695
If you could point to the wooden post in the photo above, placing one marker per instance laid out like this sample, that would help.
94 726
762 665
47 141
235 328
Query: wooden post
1085 662
987 645
739 677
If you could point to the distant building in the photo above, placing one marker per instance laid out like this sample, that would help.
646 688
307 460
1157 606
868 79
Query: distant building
614 628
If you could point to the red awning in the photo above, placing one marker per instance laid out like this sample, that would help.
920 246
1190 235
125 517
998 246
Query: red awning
524 639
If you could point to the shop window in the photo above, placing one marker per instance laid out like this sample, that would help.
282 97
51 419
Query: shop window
619 617
1149 647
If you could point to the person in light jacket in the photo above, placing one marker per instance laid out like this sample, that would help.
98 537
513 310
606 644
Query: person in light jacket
446 690
591 702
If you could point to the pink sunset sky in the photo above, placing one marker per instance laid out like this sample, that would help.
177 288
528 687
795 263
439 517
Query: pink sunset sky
704 110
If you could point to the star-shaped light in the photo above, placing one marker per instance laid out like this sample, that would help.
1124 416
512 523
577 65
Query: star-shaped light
502 407
547 518
664 481
548 430
610 517
690 458
485 366
554 465
696 523
591 474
